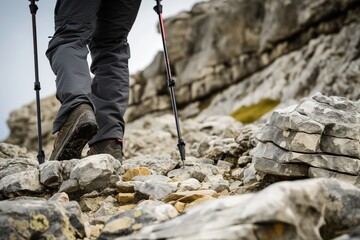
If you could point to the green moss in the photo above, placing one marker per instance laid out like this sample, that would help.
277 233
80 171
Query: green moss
249 114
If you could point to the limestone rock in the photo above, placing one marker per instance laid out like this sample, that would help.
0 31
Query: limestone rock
28 219
321 131
281 205
156 189
125 198
331 162
190 184
323 173
16 165
9 151
189 196
147 212
160 165
133 172
216 183
273 167
199 172
21 183
92 173
125 187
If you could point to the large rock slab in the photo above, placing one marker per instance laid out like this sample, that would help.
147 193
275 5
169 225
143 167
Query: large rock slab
40 219
287 210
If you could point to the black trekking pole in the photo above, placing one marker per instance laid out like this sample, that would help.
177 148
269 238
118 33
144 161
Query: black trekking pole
33 10
171 82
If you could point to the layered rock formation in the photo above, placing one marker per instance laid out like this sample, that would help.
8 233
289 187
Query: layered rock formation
320 137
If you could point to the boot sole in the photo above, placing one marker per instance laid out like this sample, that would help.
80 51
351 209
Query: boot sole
80 135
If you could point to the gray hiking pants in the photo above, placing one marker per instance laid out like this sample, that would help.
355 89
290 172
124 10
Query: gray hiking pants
101 26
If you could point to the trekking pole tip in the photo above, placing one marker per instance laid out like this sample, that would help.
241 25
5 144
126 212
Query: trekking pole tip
41 157
181 146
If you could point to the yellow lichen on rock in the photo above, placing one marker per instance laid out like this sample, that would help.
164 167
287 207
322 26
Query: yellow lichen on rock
39 223
69 232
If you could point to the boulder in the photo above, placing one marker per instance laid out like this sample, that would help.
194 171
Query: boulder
286 210
38 218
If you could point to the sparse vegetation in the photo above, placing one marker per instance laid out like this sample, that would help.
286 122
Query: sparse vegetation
249 114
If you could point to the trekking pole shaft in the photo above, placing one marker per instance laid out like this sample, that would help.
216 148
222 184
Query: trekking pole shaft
171 82
37 87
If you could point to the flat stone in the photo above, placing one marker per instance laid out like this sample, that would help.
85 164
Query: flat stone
125 198
323 173
160 165
189 196
191 161
156 189
198 172
158 178
217 183
190 184
280 169
125 187
137 171
291 140
146 213
341 146
180 206
199 201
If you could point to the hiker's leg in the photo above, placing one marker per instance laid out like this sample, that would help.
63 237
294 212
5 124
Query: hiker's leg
67 53
110 54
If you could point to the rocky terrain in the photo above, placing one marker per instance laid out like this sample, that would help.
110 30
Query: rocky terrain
269 98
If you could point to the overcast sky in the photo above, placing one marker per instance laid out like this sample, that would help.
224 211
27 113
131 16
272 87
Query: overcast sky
16 52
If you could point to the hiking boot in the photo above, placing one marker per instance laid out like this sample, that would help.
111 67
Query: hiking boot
78 129
109 146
